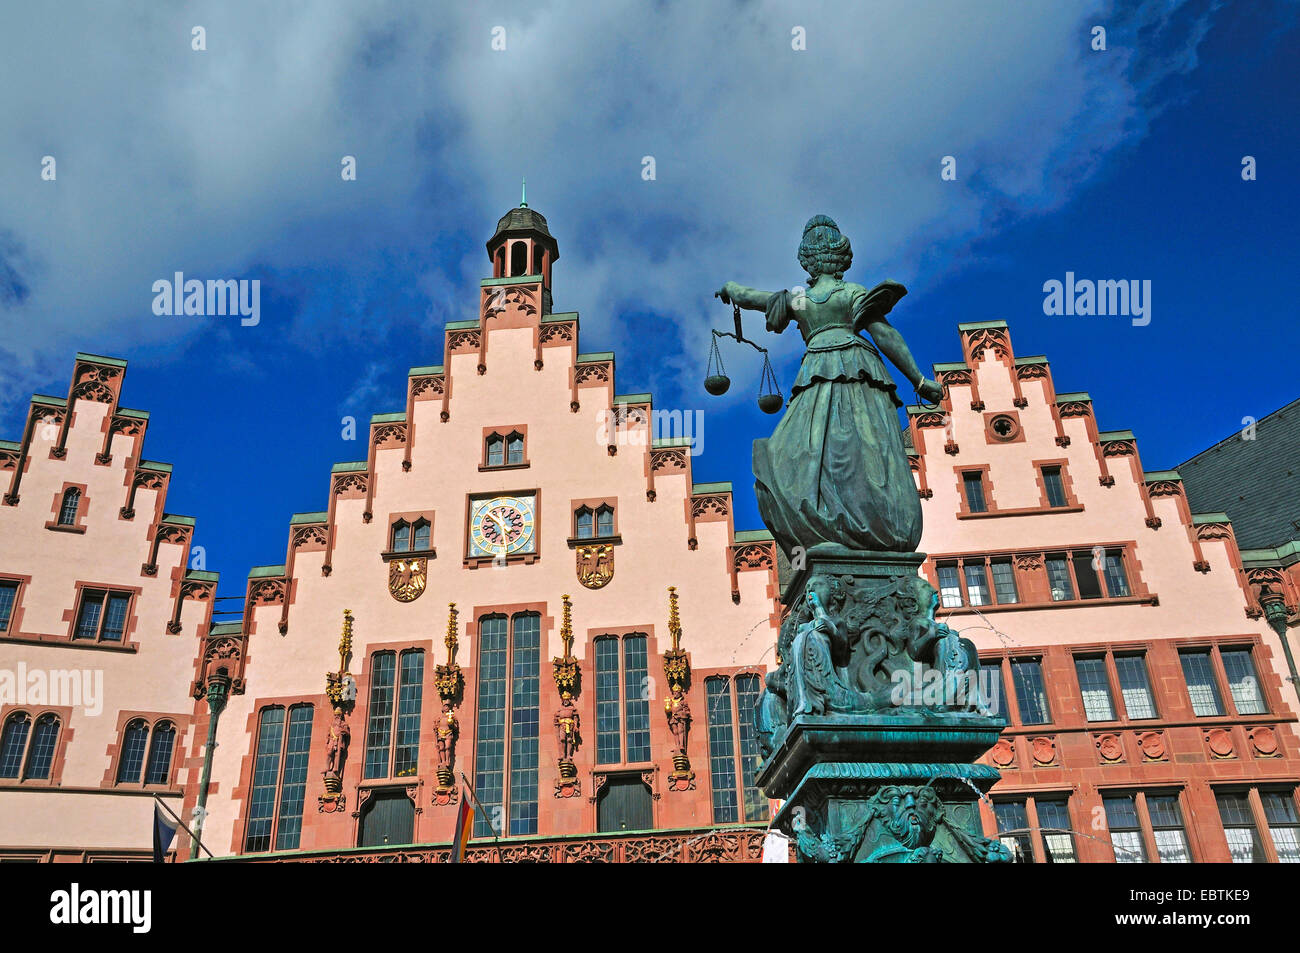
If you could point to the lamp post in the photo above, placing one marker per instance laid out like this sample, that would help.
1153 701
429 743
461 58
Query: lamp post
1274 605
218 691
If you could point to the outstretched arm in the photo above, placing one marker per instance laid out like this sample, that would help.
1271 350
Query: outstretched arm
751 299
895 348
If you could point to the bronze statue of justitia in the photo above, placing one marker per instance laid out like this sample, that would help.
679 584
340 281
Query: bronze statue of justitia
834 473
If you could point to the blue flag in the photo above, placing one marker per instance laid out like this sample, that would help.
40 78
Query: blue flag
164 832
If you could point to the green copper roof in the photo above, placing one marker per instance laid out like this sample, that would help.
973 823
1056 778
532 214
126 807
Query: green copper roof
667 443
227 628
461 325
1032 359
10 445
427 370
1151 475
595 356
179 520
1285 555
952 366
353 467
559 316
516 280
980 325
137 414
261 572
1076 395
203 575
101 359
1199 518
308 518
752 535
698 488
155 466
388 418
50 401
1106 435
632 398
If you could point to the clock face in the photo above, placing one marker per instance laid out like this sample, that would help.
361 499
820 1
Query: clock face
502 526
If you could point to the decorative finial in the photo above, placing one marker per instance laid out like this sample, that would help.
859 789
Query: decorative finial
523 193
566 627
345 641
451 639
674 621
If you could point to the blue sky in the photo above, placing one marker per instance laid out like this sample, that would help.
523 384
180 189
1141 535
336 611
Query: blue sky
1123 163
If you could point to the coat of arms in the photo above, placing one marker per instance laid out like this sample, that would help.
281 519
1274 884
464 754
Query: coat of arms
595 564
406 578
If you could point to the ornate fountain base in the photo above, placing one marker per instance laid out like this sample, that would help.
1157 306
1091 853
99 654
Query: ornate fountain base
884 788
872 769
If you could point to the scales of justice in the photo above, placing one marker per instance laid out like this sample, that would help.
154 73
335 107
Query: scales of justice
869 770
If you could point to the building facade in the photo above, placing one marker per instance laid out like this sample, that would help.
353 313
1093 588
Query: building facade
100 620
1151 715
521 591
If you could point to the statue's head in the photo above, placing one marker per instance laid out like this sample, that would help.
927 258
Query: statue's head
910 814
823 250
919 590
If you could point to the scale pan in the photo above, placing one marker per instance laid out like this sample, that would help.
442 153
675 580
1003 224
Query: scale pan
717 384
770 403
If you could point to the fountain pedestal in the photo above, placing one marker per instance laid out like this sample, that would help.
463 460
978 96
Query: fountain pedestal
872 722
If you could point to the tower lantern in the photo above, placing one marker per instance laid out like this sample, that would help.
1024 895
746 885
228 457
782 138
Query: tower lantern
522 245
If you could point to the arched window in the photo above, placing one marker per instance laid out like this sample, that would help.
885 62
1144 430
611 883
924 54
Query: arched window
515 448
583 523
68 508
500 262
275 803
13 742
518 259
733 777
506 737
135 741
389 752
401 536
420 536
27 750
605 521
622 729
496 450
40 754
158 769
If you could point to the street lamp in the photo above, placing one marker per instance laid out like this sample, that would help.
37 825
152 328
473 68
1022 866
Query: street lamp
218 692
1274 605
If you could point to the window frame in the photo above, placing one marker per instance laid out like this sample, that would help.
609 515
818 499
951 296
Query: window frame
153 722
623 698
106 592
34 716
502 439
277 815
736 724
399 655
511 615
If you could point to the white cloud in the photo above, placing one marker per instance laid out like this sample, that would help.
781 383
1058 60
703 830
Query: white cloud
217 162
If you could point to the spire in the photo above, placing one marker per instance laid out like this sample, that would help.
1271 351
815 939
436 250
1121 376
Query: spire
523 193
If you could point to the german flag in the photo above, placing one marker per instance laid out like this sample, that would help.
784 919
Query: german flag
464 829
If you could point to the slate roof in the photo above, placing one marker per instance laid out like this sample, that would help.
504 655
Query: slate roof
1256 482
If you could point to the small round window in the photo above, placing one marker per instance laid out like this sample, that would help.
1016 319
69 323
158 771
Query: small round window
1004 427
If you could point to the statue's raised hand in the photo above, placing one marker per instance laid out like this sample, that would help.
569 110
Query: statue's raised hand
725 292
929 391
